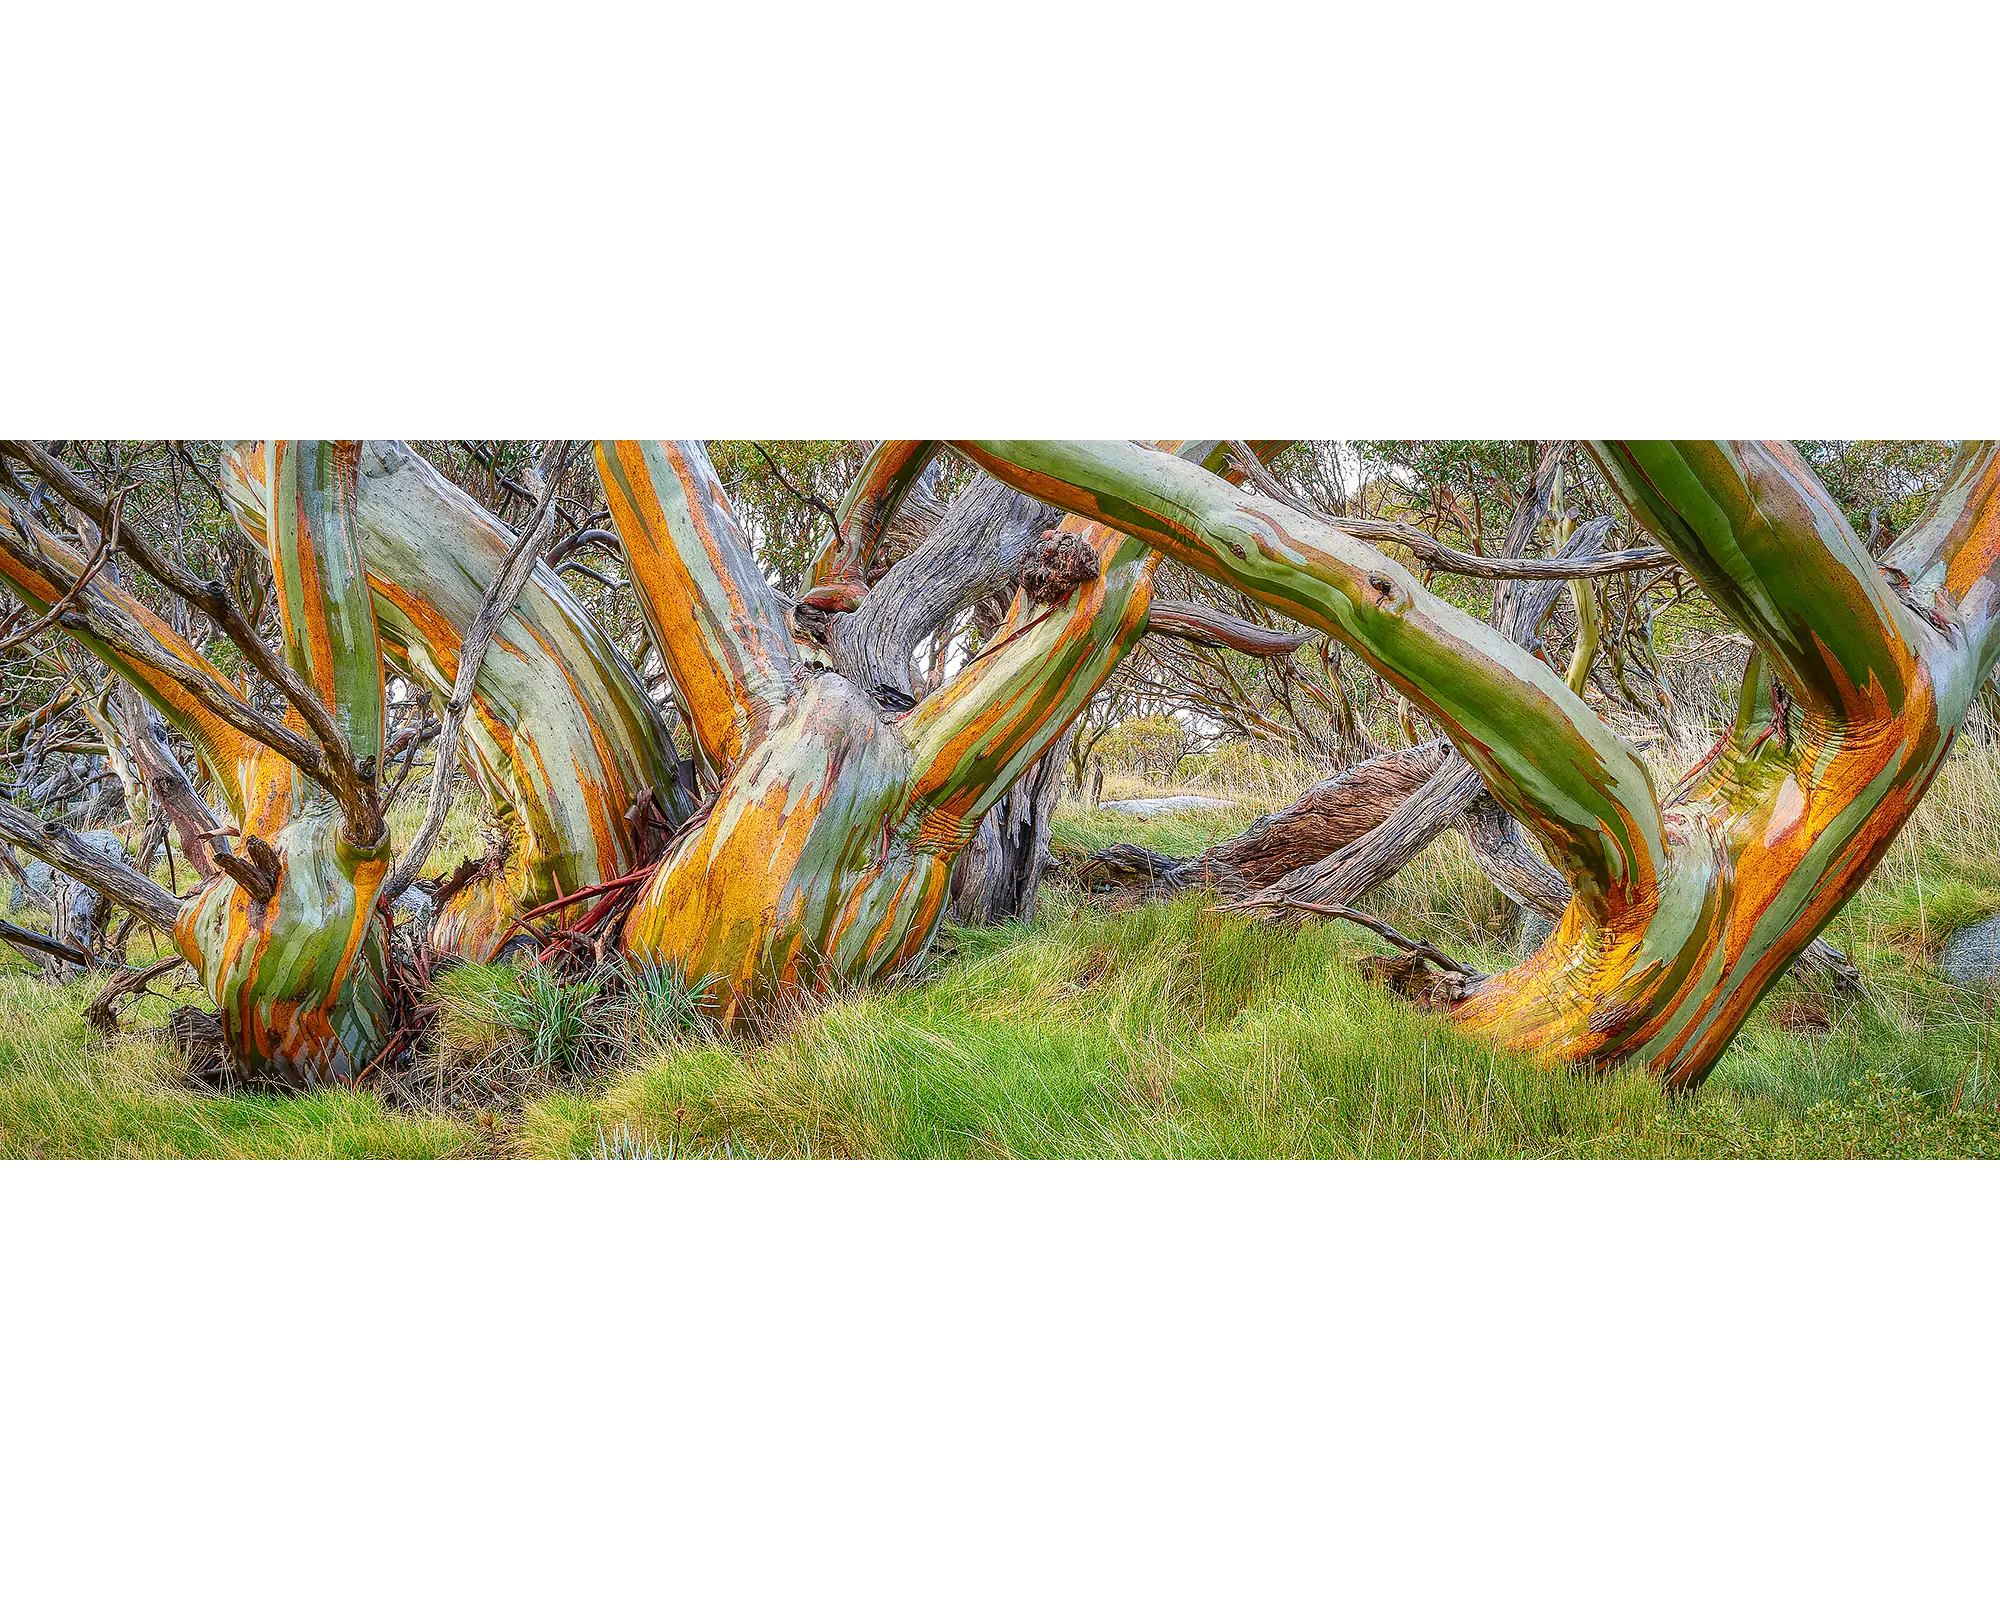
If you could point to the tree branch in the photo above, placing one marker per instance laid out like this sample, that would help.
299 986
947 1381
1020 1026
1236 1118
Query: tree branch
63 850
840 571
1442 558
136 643
1762 537
724 635
328 759
1179 619
1543 754
42 945
974 552
1375 925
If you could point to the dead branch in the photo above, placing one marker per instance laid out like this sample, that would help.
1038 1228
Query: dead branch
1375 925
1217 629
102 1012
42 945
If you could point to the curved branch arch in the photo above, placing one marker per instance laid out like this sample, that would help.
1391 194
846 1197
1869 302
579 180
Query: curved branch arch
1683 915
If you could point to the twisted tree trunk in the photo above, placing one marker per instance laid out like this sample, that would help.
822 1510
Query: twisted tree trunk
1683 913
286 939
826 855
568 751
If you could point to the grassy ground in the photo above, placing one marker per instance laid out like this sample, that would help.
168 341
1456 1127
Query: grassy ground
1169 1030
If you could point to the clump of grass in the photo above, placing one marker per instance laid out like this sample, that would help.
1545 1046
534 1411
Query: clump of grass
66 1093
505 1032
470 1025
659 1003
622 1144
557 1022
1917 917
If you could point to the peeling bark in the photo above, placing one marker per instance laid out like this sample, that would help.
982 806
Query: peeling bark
563 739
974 553
826 857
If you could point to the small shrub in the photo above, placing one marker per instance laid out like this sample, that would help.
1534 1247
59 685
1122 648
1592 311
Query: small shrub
1877 1118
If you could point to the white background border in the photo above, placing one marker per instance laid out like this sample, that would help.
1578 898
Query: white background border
1064 219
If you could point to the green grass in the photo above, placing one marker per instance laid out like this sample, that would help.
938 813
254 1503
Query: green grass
1080 829
1177 1031
1170 1030
64 1094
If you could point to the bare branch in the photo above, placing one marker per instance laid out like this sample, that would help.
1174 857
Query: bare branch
1201 625
805 497
102 1012
42 945
1441 557
63 850
1375 925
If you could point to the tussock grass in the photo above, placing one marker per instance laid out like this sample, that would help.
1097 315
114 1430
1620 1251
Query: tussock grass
1178 1031
504 1033
64 1094
1169 1030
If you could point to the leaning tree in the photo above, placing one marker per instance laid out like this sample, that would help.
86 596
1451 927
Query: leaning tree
1685 909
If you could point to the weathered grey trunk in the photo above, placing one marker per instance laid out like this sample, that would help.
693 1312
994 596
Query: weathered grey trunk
998 875
173 792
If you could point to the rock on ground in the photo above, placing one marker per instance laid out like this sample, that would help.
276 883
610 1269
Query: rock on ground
1972 955
1167 805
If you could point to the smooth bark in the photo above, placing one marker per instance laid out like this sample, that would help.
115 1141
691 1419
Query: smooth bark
1682 916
